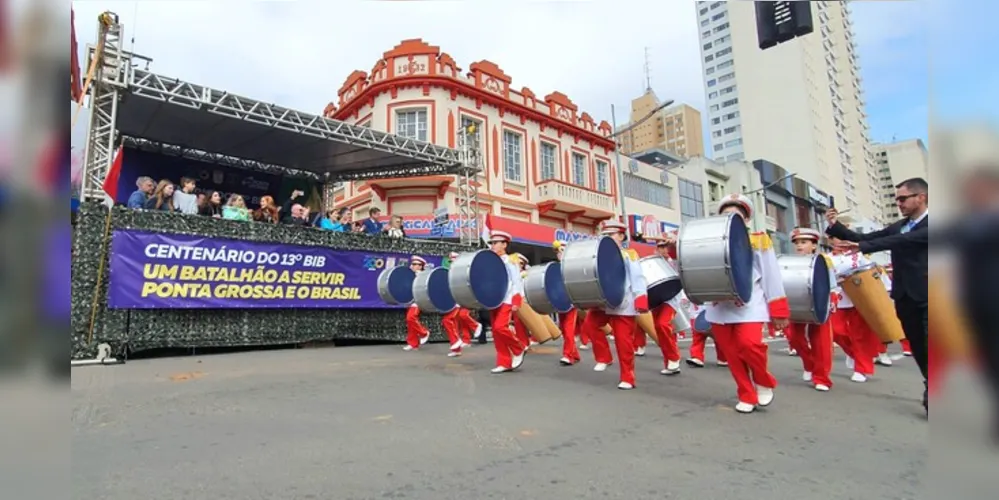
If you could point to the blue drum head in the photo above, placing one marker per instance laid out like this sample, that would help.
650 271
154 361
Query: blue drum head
439 291
400 284
555 288
611 272
701 323
488 277
821 289
740 256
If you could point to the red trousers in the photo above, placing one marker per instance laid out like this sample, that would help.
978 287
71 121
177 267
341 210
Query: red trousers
662 316
567 322
458 325
814 346
520 330
743 345
623 329
466 325
640 340
506 343
697 348
856 339
414 329
584 336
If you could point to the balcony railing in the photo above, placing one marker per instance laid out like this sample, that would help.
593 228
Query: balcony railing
558 191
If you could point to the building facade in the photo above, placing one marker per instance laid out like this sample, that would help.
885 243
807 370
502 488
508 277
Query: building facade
676 128
799 104
898 161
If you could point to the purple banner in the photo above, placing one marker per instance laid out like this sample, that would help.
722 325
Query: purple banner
172 271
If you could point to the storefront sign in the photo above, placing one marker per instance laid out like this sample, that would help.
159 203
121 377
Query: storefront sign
649 226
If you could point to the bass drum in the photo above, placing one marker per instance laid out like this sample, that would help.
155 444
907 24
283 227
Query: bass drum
663 281
395 285
431 291
593 272
701 324
544 290
715 259
479 280
807 287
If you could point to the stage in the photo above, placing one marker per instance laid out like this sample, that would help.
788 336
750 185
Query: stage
376 422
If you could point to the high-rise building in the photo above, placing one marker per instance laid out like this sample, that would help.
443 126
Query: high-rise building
798 104
897 162
676 128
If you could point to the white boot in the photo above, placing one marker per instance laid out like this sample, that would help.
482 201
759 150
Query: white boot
624 386
640 351
807 376
672 368
409 348
499 369
765 395
744 407
849 362
517 361
884 359
599 367
565 361
858 377
454 354
821 387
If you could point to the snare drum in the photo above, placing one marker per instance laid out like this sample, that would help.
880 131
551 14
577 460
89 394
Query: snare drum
807 287
715 259
594 275
544 290
431 291
479 280
663 281
395 285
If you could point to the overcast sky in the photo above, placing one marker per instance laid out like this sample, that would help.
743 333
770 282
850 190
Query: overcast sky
297 54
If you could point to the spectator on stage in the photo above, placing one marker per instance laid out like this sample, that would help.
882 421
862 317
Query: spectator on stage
137 200
334 220
162 198
268 211
372 225
296 217
235 209
211 206
185 199
395 230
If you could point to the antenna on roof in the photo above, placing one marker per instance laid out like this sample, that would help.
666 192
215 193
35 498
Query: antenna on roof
648 71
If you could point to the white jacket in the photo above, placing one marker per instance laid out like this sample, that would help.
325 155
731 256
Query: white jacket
634 287
768 290
516 282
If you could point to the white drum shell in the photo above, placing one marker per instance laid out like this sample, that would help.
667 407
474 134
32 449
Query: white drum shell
534 290
579 273
796 273
421 297
703 260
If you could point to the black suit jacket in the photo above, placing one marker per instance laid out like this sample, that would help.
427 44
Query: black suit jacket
909 254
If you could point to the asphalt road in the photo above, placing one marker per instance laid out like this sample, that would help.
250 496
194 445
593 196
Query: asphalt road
379 423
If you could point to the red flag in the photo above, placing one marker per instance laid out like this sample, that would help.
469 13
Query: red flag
76 85
111 181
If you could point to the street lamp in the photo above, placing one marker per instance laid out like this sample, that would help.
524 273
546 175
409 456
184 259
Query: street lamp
617 150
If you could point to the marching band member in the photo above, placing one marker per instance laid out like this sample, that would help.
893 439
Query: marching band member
416 333
813 343
519 328
621 319
699 340
738 328
567 322
850 331
662 316
459 325
509 351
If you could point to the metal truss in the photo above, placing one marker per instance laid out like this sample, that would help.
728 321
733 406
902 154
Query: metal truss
213 158
179 93
467 198
109 80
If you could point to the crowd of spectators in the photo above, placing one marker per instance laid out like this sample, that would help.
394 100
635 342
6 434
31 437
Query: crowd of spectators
187 199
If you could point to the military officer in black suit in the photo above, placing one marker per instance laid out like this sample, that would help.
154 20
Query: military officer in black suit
908 241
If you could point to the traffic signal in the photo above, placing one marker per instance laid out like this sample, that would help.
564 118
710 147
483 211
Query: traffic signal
778 22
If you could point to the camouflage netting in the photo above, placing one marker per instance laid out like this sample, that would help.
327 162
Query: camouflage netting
138 330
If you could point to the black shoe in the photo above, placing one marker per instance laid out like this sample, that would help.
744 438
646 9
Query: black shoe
483 337
926 398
